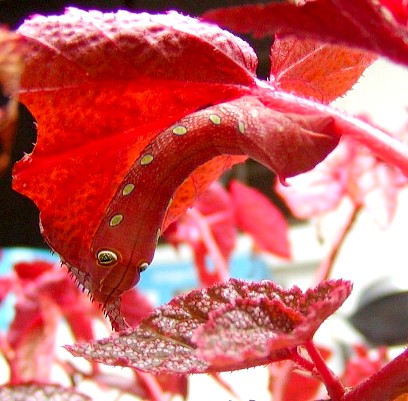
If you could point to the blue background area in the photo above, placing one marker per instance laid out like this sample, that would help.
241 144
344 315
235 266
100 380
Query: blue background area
161 281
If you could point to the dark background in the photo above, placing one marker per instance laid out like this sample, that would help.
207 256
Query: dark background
18 215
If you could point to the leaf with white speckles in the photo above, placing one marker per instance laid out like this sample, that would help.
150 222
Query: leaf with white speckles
37 392
229 326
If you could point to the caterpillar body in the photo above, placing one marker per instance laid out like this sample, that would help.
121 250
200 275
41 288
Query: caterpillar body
125 241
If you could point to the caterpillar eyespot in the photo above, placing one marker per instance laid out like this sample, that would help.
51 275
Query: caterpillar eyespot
143 267
133 219
107 258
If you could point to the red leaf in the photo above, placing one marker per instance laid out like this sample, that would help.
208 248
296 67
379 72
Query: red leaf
97 85
263 323
315 69
6 284
363 24
261 219
40 392
31 271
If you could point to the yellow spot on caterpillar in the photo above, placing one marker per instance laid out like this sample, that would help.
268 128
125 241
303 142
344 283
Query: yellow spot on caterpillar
241 127
215 119
128 189
106 257
116 220
146 159
179 130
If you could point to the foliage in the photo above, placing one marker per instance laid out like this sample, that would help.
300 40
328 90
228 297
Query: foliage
110 167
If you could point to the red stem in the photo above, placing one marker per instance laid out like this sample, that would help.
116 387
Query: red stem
326 266
215 253
333 385
303 362
384 146
386 384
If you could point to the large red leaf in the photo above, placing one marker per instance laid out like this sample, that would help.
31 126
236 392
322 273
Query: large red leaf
364 24
97 85
229 326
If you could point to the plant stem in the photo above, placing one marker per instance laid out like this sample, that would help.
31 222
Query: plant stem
303 362
326 266
386 384
215 253
384 146
333 385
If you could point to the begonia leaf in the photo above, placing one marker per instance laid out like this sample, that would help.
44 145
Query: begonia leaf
263 322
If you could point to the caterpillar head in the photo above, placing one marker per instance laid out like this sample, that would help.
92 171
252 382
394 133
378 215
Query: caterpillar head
108 276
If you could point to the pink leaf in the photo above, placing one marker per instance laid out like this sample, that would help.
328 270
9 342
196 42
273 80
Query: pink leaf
349 172
44 293
33 355
6 284
260 218
188 334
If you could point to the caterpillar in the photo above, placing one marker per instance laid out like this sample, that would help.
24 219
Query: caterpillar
125 240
